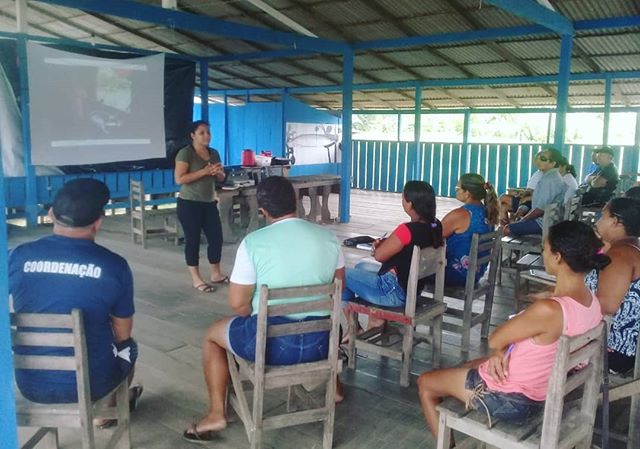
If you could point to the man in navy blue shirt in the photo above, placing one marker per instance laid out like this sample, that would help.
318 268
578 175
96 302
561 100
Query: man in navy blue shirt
68 270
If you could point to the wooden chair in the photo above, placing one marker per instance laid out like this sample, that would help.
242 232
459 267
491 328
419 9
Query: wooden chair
573 208
417 310
559 426
140 218
624 387
516 246
48 417
485 248
263 377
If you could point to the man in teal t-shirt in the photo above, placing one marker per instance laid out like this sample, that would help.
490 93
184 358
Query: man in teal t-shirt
289 252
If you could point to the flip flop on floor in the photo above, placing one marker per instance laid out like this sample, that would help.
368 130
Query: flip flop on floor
220 281
193 436
205 288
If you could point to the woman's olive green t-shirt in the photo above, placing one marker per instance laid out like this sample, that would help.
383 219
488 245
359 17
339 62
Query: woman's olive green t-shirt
204 189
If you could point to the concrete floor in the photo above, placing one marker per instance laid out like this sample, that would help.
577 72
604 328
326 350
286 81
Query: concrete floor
171 318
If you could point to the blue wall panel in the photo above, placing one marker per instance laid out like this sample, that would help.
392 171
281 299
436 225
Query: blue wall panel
299 112
259 126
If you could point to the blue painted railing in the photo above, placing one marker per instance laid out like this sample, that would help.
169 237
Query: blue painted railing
155 181
387 165
375 165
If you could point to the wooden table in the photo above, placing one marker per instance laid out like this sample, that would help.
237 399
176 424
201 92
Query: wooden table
317 188
244 201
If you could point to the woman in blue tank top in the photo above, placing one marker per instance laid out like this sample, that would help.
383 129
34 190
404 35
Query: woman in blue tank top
478 214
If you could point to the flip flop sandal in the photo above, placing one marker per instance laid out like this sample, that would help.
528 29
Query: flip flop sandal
205 288
224 280
107 424
193 436
135 393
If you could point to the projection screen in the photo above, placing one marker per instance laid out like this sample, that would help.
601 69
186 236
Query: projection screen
91 110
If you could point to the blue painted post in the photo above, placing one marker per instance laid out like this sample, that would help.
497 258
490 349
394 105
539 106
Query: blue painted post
466 129
204 89
347 105
607 109
285 100
637 135
227 156
562 102
31 199
417 113
7 399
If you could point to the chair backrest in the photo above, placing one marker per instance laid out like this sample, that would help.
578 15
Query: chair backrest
573 208
136 194
54 330
485 249
552 215
583 353
316 298
425 262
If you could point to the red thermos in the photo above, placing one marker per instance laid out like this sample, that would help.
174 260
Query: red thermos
248 158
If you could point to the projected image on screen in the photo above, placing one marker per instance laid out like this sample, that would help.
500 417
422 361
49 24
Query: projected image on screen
87 110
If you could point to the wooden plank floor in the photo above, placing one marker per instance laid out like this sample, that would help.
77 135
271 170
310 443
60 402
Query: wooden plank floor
171 318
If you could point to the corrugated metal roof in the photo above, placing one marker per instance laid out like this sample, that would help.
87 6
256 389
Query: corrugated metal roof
471 54
363 20
594 9
411 58
610 44
495 69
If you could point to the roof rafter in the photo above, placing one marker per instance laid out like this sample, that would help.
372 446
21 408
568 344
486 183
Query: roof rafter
205 24
280 17
536 13
160 43
319 16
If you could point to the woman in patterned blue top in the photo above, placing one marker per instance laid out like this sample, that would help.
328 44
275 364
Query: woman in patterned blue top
479 214
618 285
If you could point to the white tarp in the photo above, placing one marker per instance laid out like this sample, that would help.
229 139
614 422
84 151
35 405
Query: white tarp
90 110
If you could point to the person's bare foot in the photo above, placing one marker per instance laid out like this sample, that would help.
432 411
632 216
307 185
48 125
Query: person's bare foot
339 391
345 338
205 430
375 322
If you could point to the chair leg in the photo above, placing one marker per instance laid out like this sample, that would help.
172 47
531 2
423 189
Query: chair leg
488 310
353 334
50 440
634 425
436 341
444 433
466 327
407 352
330 405
124 418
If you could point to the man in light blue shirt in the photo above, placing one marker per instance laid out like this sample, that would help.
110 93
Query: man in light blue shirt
550 189
289 252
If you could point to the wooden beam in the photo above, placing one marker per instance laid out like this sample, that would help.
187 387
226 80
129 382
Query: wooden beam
285 20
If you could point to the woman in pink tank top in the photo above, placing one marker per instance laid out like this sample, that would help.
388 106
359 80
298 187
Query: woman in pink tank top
511 383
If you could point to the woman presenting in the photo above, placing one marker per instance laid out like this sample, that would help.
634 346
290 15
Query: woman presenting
198 167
